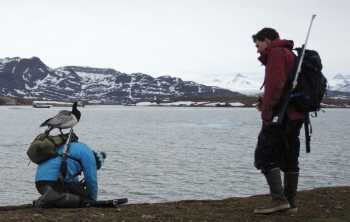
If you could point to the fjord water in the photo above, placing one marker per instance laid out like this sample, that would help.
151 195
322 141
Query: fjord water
160 154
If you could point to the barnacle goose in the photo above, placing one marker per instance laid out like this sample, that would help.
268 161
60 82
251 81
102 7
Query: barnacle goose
64 119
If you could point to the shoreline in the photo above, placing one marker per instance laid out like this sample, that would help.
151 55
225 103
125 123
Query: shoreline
93 105
246 101
318 204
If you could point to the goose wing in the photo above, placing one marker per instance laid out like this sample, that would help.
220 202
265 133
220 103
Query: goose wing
63 116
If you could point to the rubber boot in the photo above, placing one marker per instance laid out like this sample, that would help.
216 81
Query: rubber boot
52 198
290 189
278 202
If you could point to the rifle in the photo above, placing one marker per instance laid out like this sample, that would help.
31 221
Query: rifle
63 169
103 203
278 117
109 203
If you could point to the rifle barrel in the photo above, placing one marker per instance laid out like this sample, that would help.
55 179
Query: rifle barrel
67 144
110 203
295 81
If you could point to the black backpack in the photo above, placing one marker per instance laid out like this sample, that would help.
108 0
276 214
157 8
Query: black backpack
308 92
310 89
311 85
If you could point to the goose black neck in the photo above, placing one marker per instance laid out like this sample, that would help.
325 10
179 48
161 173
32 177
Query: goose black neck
75 111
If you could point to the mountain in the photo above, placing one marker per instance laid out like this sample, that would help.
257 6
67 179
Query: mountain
338 85
340 82
239 83
31 78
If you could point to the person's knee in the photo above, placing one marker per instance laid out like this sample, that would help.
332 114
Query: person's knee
290 166
265 167
290 170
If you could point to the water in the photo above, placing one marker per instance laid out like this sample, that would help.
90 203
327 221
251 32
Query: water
160 154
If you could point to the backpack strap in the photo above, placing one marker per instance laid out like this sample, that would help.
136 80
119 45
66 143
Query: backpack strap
53 141
65 154
78 173
263 84
307 132
63 169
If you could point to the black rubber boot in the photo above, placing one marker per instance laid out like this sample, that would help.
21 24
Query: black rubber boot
290 189
52 198
278 201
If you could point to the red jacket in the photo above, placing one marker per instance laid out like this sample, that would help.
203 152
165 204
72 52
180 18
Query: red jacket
279 62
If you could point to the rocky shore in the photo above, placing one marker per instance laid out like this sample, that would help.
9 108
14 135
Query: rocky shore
14 101
320 204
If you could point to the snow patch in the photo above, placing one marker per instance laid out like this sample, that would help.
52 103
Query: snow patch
239 83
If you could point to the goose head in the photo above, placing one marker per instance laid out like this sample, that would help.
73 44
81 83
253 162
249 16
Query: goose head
80 104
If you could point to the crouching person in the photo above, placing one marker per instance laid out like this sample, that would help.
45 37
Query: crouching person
71 193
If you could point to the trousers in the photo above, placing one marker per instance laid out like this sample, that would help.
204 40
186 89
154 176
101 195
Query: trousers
69 187
278 146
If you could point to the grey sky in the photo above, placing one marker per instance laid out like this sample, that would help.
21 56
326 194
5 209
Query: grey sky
196 40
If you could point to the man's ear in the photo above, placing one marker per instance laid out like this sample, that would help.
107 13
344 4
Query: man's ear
268 41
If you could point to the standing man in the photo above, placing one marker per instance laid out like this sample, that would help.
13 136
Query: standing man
278 146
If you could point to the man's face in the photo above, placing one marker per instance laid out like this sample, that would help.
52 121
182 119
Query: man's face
261 45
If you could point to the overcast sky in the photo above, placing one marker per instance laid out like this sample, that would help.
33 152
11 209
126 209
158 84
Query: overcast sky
196 40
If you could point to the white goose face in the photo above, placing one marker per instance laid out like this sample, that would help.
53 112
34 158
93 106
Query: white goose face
80 104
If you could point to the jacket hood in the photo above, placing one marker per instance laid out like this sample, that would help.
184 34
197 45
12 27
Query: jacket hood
280 43
274 44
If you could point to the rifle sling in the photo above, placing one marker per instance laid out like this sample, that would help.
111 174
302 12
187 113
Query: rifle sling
307 135
64 168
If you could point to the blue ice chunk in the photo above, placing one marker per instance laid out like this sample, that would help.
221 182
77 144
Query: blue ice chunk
19 108
5 143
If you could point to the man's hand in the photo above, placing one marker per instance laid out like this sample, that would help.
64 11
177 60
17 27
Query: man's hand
266 122
260 102
259 107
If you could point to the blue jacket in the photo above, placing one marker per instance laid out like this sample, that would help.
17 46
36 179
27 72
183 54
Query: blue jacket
49 169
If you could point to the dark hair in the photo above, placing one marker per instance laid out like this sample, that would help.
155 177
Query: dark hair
268 33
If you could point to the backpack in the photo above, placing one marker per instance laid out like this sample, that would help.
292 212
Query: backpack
46 146
308 92
310 89
311 83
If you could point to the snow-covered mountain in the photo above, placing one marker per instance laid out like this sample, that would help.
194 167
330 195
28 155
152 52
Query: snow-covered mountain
340 82
240 83
31 78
